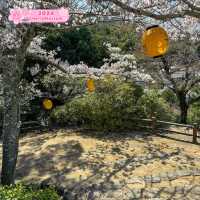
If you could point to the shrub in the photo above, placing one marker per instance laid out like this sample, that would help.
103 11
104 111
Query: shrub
170 97
114 106
152 102
111 107
20 192
194 113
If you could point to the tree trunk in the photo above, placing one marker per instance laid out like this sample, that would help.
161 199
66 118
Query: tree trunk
11 121
184 112
183 107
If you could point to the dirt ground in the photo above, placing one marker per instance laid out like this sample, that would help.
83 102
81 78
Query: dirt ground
119 163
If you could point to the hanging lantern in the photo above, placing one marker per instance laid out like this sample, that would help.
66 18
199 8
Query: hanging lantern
47 104
155 41
90 85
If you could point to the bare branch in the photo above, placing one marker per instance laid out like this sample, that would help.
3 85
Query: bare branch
163 17
45 60
191 5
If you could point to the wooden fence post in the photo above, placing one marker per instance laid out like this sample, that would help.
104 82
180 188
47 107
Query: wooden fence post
195 130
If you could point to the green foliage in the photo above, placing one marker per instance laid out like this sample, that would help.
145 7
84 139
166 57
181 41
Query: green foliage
59 88
88 44
111 107
76 46
20 192
118 35
152 102
194 113
169 97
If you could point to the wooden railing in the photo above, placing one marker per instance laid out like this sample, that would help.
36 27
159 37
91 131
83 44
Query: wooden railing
29 126
155 124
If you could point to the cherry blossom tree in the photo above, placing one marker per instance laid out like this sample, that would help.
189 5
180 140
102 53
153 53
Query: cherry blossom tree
119 64
124 65
15 41
159 9
178 71
181 19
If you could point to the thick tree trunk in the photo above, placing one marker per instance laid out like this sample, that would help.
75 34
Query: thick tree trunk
11 123
183 107
184 113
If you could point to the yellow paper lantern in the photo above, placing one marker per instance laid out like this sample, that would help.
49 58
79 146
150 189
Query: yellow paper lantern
90 85
47 104
155 41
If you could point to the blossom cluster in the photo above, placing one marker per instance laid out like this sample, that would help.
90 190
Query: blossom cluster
118 64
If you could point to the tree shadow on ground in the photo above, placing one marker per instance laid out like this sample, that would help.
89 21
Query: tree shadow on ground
139 136
91 189
116 136
57 161
47 162
90 186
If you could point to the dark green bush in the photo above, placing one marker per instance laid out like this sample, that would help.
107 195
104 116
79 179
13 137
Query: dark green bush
194 113
111 107
20 192
152 102
170 97
114 106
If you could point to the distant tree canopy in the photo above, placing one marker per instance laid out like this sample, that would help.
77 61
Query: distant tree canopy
87 44
76 46
118 35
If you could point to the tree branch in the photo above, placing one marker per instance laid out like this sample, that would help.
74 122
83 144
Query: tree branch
46 60
163 17
27 38
43 28
191 5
